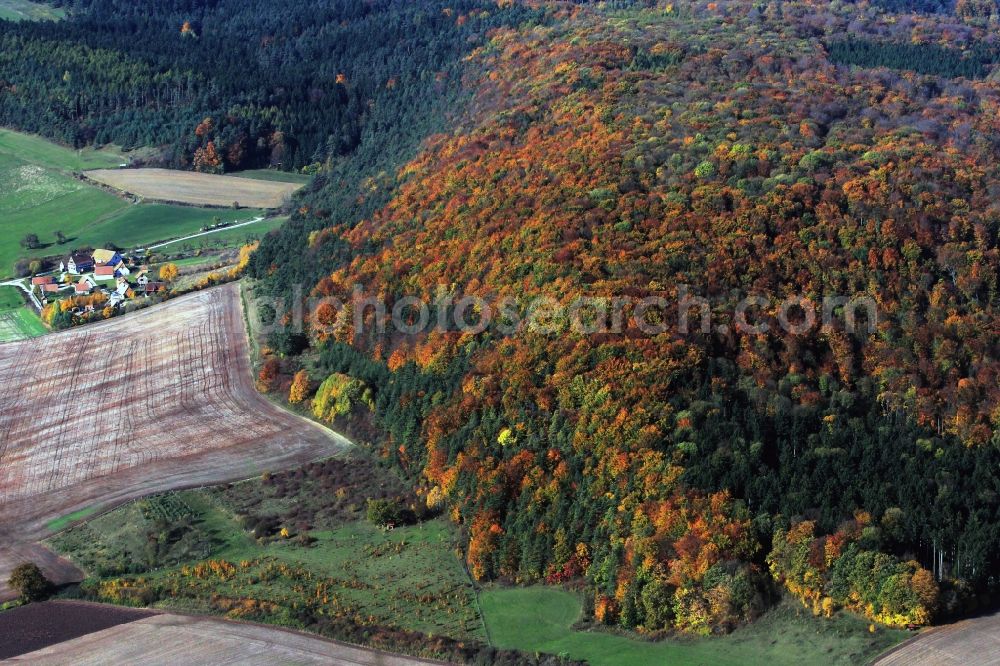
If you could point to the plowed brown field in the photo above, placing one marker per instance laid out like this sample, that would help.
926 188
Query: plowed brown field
176 639
160 399
974 642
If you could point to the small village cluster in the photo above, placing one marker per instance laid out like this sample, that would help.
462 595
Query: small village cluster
103 272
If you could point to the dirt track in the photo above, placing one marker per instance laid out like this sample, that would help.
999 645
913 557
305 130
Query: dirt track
177 639
156 400
199 189
974 642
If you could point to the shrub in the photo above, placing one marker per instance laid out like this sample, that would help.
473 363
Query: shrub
30 583
383 512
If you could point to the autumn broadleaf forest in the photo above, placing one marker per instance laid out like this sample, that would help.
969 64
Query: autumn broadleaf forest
514 150
628 150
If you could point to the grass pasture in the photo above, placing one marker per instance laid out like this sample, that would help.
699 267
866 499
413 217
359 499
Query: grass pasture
541 618
24 10
33 149
17 321
19 325
39 195
142 224
228 238
197 189
407 578
10 298
272 175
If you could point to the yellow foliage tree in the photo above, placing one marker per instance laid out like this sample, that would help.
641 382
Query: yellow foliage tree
245 252
168 272
300 387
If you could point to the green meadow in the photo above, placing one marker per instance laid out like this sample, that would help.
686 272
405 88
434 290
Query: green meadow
541 619
228 238
36 150
39 195
408 578
17 321
272 175
146 223
24 10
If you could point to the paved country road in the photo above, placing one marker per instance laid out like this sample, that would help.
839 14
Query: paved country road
974 642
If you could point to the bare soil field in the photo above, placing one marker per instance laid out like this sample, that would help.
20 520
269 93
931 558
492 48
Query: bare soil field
178 639
974 642
199 189
38 626
153 401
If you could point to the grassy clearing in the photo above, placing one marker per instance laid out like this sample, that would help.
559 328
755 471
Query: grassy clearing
23 10
43 200
408 578
64 522
541 619
273 176
237 237
187 262
36 150
281 549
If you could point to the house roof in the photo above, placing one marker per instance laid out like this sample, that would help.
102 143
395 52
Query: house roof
43 279
105 256
81 258
50 287
104 270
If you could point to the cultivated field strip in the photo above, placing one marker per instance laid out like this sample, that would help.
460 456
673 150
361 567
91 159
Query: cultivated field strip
177 639
144 403
974 642
199 189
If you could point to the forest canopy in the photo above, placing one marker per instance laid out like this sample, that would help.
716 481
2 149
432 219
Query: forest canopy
631 150
554 149
232 84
